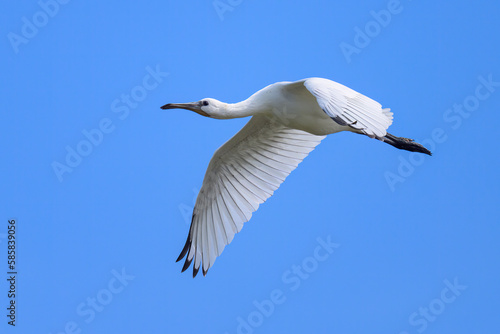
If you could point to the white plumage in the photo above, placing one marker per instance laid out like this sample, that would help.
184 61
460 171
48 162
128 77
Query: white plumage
289 120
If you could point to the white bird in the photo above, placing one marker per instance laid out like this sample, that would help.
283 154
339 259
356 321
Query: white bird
289 119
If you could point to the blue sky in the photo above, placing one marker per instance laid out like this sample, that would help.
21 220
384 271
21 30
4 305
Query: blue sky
361 238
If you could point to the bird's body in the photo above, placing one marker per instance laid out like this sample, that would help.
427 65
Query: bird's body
289 120
293 106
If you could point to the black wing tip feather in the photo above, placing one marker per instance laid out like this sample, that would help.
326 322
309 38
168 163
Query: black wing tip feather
195 271
186 265
184 251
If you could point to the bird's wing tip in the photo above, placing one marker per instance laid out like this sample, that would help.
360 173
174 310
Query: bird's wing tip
195 271
186 265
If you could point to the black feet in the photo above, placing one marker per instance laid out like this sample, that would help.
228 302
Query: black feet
405 144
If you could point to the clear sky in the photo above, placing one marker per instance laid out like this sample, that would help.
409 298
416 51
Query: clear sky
361 238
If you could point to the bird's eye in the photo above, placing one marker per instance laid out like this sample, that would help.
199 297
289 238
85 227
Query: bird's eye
205 103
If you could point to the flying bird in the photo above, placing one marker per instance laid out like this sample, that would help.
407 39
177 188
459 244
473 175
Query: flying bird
289 119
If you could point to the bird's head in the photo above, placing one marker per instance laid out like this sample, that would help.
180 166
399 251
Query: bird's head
207 107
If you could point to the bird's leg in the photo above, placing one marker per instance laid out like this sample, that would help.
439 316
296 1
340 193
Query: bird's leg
405 144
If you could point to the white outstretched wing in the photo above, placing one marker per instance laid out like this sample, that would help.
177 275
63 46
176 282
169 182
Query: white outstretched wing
350 108
242 174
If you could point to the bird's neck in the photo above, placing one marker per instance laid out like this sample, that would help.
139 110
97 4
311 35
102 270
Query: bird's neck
249 107
240 109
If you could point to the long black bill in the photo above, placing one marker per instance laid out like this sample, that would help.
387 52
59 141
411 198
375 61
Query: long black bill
193 106
188 106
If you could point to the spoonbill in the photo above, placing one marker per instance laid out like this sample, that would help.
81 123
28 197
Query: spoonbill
289 119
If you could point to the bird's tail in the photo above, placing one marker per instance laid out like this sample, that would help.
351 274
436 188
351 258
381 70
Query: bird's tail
405 144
